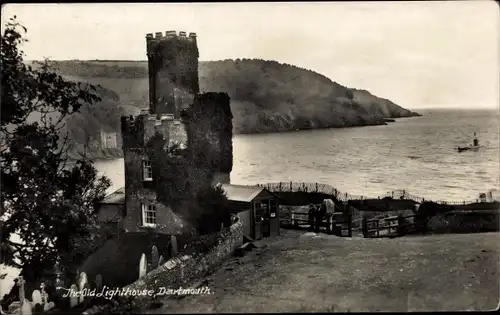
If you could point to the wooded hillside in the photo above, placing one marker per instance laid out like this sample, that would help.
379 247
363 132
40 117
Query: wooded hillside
266 96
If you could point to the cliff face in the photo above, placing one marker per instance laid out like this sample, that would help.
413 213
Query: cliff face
381 106
266 96
364 109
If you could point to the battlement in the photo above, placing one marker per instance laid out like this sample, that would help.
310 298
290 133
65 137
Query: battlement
170 34
137 130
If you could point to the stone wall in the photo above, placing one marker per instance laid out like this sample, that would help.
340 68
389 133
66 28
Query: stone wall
173 64
167 221
139 191
137 131
182 269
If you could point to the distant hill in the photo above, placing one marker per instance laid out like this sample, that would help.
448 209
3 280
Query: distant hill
266 96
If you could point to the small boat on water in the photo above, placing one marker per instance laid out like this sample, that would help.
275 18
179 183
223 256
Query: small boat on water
469 148
474 147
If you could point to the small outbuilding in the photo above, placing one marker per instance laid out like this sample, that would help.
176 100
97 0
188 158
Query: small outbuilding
110 210
257 208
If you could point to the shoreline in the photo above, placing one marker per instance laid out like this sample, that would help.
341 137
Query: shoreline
117 155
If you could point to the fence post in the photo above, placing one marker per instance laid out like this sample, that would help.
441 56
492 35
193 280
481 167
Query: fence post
316 187
377 227
280 187
349 225
365 227
401 222
425 224
291 188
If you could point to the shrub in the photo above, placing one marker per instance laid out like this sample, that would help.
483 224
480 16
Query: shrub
209 210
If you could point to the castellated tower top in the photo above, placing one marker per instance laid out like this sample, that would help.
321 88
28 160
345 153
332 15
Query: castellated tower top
170 34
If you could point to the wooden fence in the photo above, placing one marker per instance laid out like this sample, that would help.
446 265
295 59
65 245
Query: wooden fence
337 223
389 226
308 188
344 197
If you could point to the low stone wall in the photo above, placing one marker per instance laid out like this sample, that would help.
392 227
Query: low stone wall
180 270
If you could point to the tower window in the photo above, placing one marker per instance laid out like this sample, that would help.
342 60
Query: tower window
148 215
147 171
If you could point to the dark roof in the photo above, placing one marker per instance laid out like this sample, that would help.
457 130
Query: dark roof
240 192
117 197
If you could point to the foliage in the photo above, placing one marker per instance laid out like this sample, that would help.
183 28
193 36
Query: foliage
83 126
210 117
50 205
170 169
181 181
210 210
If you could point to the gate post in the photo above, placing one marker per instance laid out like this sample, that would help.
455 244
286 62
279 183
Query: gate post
349 224
329 225
401 222
293 220
365 227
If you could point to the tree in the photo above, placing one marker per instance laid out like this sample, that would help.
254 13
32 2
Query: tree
209 210
49 204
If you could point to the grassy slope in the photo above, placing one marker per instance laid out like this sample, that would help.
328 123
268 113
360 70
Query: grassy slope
266 96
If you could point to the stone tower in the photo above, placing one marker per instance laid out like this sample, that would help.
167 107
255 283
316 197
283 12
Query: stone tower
173 71
173 84
176 113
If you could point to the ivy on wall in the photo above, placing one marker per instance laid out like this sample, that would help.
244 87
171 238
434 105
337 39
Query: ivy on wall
169 168
185 185
132 132
211 115
180 58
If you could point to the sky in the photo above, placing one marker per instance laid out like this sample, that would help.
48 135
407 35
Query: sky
417 54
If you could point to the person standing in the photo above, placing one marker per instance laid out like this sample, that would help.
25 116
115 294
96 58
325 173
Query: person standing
475 142
320 213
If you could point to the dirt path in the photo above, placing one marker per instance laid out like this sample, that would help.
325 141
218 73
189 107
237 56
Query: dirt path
302 272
